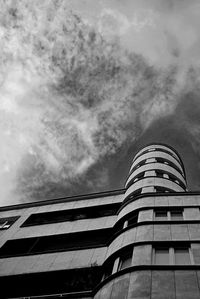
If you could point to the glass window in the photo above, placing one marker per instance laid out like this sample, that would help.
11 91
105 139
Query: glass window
161 215
161 256
125 260
133 220
108 269
182 256
176 215
5 223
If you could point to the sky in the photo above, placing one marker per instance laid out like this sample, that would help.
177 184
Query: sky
84 84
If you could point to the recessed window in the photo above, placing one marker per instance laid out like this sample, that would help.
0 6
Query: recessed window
5 223
176 215
182 256
165 214
56 243
125 259
72 214
172 256
161 256
108 268
133 220
161 215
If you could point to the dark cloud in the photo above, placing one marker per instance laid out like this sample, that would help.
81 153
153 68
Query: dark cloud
76 106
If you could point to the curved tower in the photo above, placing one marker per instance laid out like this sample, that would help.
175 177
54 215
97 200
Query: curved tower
148 231
155 168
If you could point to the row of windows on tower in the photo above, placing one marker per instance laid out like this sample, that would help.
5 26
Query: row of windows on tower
169 255
158 215
156 173
156 160
157 150
148 189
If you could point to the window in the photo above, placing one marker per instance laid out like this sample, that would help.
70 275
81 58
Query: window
51 284
72 214
176 215
135 193
108 268
164 214
125 259
161 215
5 223
182 256
159 189
62 242
132 220
161 256
172 255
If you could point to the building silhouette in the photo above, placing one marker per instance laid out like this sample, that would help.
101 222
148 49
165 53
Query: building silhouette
140 242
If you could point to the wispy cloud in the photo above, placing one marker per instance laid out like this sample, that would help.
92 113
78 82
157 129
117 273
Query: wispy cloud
70 97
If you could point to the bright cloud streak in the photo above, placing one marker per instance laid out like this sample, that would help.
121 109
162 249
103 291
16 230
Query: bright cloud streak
70 95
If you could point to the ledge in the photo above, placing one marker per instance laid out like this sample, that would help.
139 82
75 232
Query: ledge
63 199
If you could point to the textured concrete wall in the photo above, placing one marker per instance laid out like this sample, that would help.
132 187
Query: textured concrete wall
155 232
52 261
153 284
159 201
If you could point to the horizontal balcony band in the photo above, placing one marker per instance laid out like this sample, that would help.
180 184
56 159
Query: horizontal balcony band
157 155
157 147
148 223
154 194
169 208
153 222
84 294
158 150
131 182
153 167
156 182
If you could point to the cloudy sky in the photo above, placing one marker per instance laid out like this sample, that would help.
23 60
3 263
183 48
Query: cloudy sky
85 83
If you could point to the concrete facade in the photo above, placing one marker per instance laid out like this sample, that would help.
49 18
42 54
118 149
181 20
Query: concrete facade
141 242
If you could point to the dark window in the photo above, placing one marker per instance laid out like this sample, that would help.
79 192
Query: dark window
161 215
125 259
71 215
159 173
51 283
5 223
159 189
176 215
135 193
108 268
64 242
133 219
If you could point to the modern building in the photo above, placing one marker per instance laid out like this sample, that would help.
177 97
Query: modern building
140 242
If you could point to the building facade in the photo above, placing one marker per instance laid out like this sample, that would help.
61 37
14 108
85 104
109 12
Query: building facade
140 242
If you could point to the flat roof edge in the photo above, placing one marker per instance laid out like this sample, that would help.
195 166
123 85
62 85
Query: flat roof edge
62 199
